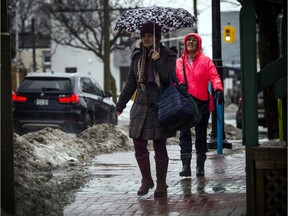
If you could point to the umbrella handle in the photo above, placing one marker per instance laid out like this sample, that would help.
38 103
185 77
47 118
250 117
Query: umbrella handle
154 35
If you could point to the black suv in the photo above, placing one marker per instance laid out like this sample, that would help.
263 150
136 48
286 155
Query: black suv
261 112
70 102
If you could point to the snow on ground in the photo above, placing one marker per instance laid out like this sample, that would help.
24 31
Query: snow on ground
51 165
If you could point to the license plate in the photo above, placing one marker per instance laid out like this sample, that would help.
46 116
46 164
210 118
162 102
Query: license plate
41 102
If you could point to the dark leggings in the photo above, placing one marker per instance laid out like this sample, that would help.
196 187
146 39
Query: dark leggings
201 137
159 146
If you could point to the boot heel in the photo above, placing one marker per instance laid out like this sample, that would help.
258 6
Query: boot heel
161 190
144 188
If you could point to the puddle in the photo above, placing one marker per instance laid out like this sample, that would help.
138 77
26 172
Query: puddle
202 185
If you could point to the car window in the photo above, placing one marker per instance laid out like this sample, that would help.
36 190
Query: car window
83 85
90 86
87 86
97 87
29 84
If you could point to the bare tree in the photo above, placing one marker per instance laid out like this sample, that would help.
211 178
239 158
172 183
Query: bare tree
26 10
26 34
82 24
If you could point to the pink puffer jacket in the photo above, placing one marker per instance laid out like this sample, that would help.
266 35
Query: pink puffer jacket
199 74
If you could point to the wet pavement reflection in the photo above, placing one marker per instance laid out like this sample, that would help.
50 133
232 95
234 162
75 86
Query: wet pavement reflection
116 179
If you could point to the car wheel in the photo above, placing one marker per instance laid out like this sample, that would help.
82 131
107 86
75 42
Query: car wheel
20 132
238 125
88 121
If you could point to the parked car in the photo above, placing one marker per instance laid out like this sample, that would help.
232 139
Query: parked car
261 112
69 101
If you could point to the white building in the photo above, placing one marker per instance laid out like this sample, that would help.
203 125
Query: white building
71 60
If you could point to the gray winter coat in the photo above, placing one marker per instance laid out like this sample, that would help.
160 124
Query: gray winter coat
143 116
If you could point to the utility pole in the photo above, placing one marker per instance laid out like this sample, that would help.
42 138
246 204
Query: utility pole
33 45
7 157
17 44
195 15
106 45
217 59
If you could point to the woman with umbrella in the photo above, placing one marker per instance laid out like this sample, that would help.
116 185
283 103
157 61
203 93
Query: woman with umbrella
149 70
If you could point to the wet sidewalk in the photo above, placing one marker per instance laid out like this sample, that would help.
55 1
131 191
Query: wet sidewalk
113 190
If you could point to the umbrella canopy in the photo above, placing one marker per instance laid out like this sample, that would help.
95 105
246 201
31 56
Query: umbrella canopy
170 19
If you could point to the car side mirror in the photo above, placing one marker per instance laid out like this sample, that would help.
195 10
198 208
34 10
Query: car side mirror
107 94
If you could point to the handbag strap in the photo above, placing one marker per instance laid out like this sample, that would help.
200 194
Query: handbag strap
184 71
185 77
173 78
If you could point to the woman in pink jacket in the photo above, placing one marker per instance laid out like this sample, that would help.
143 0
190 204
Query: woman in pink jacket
200 70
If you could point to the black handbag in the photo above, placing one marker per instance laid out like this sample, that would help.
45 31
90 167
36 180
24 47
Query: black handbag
176 108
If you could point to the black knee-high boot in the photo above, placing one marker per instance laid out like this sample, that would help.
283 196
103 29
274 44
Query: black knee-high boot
147 181
161 173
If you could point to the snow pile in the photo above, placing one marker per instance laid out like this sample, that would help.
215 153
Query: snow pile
51 165
105 139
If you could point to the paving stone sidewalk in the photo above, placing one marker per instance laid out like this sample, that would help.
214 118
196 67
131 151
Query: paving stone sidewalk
113 190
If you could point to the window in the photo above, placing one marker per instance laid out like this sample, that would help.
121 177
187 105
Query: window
87 86
46 84
46 60
46 57
90 86
71 70
97 87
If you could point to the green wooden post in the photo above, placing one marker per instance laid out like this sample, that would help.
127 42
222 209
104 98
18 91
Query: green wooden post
249 93
249 73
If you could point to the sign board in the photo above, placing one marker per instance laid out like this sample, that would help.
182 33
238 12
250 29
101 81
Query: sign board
122 57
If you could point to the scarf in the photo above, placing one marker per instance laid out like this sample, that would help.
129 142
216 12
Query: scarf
152 74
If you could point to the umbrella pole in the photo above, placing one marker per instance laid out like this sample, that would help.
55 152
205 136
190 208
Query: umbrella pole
154 35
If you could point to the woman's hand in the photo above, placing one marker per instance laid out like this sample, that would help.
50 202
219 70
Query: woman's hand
155 55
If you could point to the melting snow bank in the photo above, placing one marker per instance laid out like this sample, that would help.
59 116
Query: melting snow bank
51 165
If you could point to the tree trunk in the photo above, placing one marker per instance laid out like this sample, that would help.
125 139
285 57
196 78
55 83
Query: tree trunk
109 81
113 88
268 50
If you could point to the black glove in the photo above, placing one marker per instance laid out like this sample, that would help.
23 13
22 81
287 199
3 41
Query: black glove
219 96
